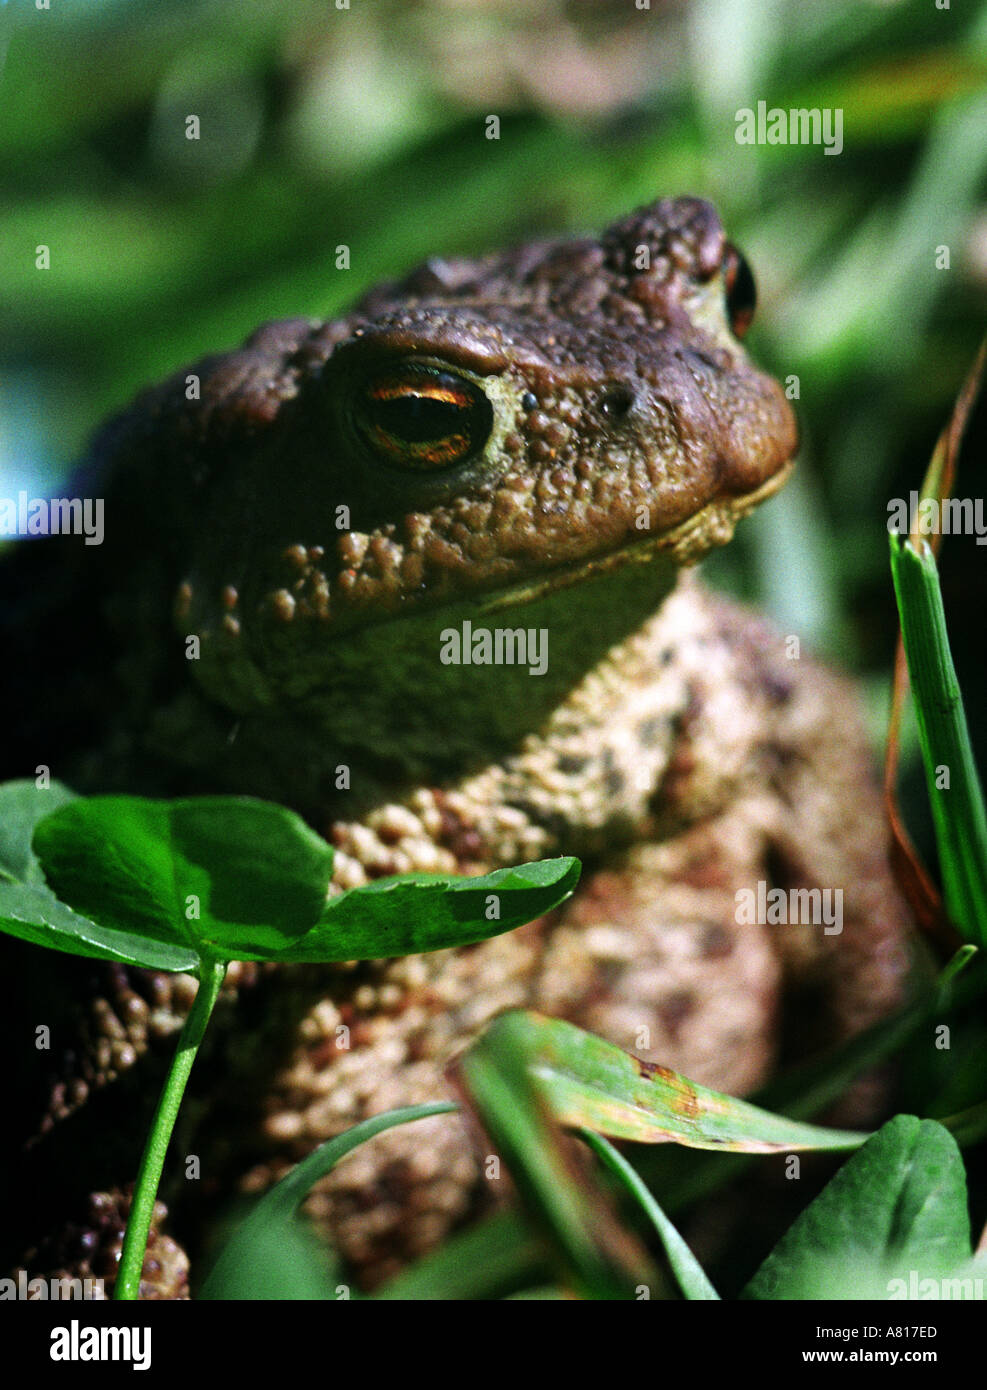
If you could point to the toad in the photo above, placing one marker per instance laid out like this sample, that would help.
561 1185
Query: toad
423 573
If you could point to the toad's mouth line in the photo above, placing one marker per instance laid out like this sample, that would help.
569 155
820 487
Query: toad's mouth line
680 546
684 545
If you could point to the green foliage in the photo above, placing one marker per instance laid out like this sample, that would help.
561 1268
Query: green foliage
689 1273
412 913
588 1082
958 805
22 805
168 884
218 875
487 1260
246 1269
897 1206
258 877
30 910
193 884
593 1254
893 1216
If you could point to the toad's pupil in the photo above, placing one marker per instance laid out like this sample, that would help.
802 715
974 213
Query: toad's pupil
419 419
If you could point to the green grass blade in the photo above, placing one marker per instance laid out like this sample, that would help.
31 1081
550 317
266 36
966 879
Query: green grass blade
954 787
688 1271
595 1255
590 1083
276 1210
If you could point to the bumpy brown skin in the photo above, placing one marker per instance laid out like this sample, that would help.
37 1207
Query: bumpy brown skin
673 742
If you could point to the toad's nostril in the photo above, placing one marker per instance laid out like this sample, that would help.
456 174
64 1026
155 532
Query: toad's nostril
617 401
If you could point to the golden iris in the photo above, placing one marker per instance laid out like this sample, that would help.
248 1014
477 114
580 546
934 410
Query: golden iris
424 417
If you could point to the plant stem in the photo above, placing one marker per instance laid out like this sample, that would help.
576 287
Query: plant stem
127 1286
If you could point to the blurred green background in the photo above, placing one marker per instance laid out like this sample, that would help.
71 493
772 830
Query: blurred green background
365 126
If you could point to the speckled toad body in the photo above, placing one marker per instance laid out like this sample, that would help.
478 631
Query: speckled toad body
542 439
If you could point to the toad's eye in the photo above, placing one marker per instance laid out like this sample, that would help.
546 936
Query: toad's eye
740 290
422 417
